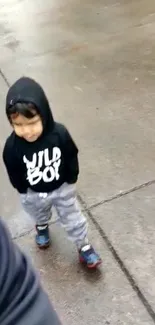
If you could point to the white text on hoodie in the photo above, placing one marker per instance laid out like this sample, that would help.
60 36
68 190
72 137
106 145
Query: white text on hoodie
40 159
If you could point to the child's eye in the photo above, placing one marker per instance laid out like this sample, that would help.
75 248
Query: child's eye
32 123
17 125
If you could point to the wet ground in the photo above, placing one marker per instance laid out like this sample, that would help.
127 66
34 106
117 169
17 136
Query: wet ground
96 61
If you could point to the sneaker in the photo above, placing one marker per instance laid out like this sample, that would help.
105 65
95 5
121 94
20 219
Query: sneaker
89 257
42 236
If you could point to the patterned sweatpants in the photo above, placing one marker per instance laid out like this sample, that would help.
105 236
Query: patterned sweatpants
39 207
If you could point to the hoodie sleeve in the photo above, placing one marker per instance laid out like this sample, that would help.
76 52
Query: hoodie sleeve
71 157
22 299
14 168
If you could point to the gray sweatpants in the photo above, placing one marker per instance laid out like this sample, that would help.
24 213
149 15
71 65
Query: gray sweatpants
39 207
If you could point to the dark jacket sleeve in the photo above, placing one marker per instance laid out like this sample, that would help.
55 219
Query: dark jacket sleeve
22 299
71 158
14 168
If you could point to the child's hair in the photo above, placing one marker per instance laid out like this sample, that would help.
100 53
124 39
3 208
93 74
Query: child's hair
26 109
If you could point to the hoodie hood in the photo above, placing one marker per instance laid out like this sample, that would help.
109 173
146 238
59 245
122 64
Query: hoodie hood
28 90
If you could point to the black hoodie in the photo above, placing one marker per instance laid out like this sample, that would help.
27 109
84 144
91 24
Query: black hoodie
47 163
22 299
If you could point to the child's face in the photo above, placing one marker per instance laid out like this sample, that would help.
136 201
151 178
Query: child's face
28 128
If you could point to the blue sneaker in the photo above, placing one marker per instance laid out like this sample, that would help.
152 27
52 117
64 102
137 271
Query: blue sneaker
42 236
89 257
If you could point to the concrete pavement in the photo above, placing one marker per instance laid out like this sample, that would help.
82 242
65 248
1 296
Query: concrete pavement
96 63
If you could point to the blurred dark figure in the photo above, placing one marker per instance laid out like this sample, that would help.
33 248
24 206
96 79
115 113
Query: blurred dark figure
22 299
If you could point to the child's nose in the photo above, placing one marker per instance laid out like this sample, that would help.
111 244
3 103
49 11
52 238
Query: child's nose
26 130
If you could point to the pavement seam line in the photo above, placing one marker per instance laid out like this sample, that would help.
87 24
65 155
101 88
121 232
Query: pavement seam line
4 78
102 202
119 261
119 195
27 232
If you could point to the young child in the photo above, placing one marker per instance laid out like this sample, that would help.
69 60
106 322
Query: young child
42 163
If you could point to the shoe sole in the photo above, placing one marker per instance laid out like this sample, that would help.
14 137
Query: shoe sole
90 266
